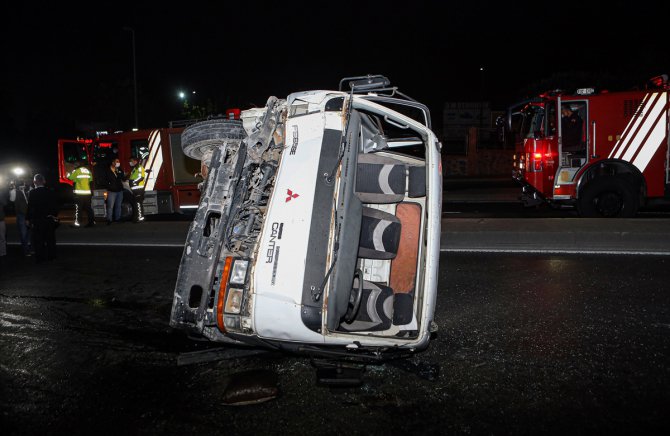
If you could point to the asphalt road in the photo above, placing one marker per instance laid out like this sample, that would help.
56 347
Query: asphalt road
499 198
527 344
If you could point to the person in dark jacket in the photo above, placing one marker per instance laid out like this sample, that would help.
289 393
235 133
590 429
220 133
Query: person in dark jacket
571 124
111 179
20 199
42 218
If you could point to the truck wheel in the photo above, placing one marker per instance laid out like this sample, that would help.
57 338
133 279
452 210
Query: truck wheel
126 210
201 138
608 197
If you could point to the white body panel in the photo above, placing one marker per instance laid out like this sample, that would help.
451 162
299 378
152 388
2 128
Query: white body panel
280 267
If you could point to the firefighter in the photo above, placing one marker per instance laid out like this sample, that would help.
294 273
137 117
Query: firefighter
82 179
571 125
137 181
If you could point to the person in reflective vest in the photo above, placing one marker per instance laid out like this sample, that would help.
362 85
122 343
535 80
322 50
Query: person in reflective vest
137 180
83 180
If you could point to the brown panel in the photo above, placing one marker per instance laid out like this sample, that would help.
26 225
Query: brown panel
403 267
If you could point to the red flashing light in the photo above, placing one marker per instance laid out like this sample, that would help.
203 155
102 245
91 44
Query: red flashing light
537 156
233 113
105 144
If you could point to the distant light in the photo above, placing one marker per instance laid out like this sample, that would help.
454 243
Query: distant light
193 92
182 94
18 171
481 68
135 129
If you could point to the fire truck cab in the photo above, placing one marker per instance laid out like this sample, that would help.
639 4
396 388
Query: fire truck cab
172 180
605 153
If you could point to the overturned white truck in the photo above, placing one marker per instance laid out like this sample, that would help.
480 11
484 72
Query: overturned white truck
318 227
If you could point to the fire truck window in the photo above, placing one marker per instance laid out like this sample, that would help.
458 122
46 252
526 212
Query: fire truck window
533 121
551 119
105 152
73 152
573 127
139 148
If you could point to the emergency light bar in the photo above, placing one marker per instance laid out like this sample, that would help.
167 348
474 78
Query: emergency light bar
585 91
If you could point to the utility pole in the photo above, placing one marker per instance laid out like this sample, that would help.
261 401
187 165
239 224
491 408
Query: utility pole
481 96
130 29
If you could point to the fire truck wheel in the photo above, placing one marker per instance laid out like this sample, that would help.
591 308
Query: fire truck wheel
126 210
608 197
201 138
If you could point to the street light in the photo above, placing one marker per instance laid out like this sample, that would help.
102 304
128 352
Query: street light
130 29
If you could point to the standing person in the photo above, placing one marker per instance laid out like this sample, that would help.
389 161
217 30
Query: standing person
571 126
42 217
21 208
112 181
138 177
82 179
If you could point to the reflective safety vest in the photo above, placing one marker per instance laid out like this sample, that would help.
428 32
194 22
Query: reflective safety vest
82 178
138 177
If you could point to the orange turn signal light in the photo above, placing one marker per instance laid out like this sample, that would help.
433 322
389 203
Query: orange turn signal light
223 284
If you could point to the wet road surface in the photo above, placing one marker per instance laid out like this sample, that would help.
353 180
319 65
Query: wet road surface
527 345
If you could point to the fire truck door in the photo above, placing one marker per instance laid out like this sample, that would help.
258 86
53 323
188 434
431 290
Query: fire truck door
70 152
574 139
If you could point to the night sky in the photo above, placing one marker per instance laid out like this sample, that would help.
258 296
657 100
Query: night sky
69 69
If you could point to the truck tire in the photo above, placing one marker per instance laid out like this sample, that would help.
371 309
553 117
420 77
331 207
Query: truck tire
126 210
201 138
608 196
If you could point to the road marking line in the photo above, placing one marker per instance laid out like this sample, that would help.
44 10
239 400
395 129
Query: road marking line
112 244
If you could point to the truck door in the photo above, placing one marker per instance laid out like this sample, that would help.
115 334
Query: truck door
69 152
573 142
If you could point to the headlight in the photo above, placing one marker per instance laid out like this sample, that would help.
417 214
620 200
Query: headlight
234 300
239 272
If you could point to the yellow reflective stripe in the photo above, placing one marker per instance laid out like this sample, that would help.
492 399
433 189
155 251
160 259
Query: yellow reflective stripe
82 191
84 176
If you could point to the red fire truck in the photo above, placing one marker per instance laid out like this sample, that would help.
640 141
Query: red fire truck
604 152
172 184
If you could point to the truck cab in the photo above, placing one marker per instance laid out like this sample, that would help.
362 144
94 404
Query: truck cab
318 228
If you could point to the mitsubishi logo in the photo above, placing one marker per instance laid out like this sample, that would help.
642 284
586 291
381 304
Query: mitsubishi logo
290 195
